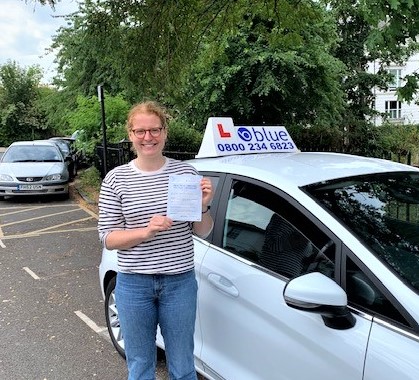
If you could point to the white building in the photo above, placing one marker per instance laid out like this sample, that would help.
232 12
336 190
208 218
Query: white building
386 101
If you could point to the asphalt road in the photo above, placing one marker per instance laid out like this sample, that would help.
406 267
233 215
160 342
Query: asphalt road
52 319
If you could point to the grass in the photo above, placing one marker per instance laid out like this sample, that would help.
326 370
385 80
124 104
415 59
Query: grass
88 183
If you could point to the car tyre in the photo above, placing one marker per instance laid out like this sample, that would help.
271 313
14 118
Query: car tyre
112 318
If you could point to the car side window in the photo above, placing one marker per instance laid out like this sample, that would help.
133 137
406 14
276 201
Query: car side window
214 182
264 228
364 295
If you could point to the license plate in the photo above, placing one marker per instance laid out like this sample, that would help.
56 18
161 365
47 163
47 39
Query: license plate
29 187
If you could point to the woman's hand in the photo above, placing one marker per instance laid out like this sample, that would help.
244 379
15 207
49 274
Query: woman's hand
207 194
156 224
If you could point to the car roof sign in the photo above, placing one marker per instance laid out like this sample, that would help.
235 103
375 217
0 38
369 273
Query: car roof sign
223 138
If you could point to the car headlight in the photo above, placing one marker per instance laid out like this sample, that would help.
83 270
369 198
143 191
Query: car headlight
5 177
54 177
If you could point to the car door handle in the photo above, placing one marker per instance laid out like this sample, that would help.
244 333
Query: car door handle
223 284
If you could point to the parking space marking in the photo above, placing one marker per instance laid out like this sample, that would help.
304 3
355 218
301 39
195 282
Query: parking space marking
38 217
97 329
31 273
61 225
1 237
90 212
20 209
46 230
38 233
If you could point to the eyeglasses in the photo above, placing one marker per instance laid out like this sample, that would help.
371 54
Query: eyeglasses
140 133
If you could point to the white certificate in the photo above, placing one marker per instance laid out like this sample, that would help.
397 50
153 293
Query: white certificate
185 198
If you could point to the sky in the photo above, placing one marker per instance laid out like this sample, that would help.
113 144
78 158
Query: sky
26 30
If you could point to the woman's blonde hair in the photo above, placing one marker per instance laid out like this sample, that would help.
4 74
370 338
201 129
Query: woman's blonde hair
150 107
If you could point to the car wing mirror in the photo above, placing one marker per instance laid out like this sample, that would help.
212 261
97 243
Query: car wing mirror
316 293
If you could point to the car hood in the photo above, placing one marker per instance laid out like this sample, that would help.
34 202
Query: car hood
32 169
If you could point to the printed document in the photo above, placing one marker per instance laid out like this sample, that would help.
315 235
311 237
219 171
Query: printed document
185 198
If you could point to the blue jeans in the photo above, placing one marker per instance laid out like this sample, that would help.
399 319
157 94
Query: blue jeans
144 301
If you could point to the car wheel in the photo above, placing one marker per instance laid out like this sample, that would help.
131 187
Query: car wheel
112 318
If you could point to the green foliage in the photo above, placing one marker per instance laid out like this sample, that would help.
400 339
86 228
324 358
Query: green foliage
399 139
353 21
409 90
20 118
87 119
317 138
394 27
87 52
90 179
116 133
88 183
183 137
277 70
298 63
55 106
87 115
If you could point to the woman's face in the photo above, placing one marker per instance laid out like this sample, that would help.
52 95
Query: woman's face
147 135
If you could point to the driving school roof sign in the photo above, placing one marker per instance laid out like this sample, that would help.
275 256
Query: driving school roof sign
223 138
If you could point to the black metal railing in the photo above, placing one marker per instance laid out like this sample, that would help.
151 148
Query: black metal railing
121 153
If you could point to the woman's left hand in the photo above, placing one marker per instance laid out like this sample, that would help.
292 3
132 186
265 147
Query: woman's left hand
207 195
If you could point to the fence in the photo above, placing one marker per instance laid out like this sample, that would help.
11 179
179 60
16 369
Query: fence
121 153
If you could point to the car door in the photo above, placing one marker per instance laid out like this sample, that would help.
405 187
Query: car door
247 330
393 345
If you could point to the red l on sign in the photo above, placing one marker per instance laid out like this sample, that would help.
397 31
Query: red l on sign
222 132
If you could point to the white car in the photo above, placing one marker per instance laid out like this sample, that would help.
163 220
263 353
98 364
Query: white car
33 168
311 270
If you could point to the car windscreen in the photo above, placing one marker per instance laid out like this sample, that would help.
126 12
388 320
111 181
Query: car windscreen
65 148
32 153
383 211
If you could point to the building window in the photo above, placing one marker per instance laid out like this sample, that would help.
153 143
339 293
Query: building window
394 109
396 81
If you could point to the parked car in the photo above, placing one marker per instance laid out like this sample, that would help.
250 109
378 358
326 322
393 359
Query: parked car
70 155
312 268
33 168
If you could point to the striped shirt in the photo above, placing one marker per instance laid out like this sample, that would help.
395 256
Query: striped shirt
128 199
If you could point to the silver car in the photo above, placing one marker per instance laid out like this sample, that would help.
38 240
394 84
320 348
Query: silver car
65 144
33 168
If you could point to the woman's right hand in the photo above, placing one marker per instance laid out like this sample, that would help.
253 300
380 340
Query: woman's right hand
158 223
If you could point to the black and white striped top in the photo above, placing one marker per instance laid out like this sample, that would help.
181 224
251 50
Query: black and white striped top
128 199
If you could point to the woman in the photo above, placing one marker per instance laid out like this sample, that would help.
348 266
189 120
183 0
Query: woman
156 282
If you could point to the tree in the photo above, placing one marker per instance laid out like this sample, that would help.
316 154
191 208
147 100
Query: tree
55 105
87 55
401 140
274 68
370 31
139 48
395 36
86 118
19 117
278 60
